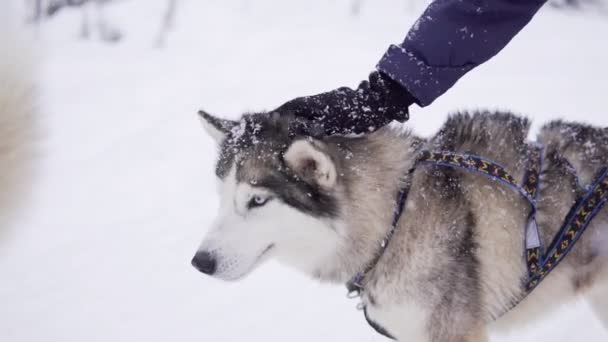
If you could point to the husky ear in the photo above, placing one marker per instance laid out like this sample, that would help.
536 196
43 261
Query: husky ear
310 163
217 128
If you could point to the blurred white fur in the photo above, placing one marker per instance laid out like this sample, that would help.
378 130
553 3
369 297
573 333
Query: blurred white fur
17 111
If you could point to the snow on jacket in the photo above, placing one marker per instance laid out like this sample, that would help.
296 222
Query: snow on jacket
451 38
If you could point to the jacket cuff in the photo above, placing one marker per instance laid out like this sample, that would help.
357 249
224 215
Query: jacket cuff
424 82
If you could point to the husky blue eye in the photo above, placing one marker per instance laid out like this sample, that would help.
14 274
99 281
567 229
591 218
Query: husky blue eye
257 201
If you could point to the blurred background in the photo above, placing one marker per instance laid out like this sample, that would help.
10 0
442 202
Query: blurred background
124 185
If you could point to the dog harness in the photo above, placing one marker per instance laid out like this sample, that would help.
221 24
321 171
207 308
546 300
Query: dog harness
539 264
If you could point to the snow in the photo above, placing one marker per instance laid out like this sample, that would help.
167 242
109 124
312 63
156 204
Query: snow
126 185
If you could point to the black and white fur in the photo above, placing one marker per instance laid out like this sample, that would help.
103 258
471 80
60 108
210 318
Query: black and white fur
455 263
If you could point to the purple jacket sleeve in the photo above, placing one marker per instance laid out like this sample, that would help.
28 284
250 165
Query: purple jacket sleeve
451 38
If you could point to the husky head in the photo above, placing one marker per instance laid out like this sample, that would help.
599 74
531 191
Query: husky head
278 186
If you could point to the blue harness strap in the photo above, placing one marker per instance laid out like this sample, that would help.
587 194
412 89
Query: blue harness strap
473 163
529 188
531 185
539 265
577 221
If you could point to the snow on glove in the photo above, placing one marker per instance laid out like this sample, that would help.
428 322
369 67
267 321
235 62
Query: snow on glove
372 105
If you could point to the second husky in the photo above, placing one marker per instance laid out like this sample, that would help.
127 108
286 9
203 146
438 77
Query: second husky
455 263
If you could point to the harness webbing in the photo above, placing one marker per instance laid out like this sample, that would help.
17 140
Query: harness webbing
539 265
529 188
531 185
474 164
576 222
579 218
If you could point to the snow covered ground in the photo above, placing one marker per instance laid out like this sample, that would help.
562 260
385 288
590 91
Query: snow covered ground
126 188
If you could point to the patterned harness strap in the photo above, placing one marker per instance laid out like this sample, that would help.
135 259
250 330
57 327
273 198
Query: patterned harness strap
531 185
576 222
474 164
539 265
585 209
529 188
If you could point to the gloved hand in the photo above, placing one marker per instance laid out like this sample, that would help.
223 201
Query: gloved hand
372 105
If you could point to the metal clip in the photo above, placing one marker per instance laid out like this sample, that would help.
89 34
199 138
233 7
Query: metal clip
532 235
353 294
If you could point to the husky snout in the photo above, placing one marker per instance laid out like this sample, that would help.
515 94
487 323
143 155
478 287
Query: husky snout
204 262
276 199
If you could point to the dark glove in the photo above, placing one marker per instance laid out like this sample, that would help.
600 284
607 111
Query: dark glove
372 105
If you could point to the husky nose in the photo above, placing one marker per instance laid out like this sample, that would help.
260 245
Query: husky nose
204 262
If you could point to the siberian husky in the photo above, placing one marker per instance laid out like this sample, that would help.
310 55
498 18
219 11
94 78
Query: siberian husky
454 268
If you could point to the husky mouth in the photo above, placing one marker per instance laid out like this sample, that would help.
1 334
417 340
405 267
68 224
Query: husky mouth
258 260
263 254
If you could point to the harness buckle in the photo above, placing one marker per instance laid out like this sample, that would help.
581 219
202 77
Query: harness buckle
353 294
532 235
354 287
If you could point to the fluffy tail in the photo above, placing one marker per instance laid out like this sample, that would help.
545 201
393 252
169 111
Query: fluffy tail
17 116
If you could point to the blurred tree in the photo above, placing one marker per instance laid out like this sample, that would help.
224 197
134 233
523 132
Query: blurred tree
573 3
44 9
167 23
53 6
355 7
37 4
